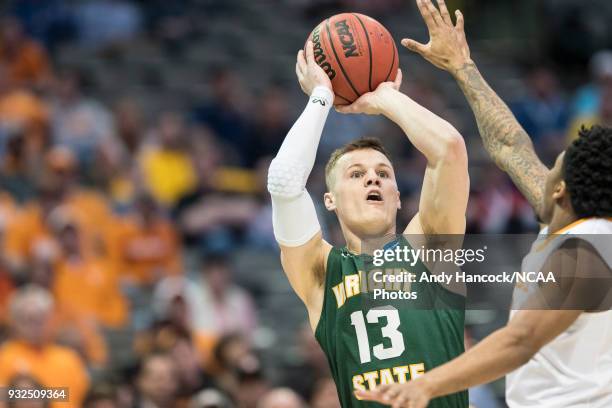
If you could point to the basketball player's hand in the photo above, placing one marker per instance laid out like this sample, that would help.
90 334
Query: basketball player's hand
447 47
372 103
309 73
412 394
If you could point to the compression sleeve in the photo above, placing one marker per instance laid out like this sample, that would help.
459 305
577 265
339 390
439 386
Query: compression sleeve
293 212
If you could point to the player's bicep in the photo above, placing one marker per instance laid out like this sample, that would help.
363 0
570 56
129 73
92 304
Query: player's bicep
304 266
445 192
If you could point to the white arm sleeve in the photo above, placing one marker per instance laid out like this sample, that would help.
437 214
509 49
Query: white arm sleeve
293 213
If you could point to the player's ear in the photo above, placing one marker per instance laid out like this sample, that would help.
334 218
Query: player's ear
330 201
399 201
560 190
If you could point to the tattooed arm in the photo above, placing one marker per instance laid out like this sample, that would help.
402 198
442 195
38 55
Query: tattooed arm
503 137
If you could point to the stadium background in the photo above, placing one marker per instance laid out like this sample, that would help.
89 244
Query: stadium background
137 251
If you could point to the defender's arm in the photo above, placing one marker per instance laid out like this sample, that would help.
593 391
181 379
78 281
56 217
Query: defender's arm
503 137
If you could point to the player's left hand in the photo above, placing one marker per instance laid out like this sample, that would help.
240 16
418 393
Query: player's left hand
370 103
412 394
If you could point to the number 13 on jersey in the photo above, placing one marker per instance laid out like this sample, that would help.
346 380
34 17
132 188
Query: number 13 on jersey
390 331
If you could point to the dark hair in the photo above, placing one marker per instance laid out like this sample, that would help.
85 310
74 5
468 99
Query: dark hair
359 144
98 392
587 171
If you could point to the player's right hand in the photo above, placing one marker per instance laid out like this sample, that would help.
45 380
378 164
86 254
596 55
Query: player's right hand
447 47
309 73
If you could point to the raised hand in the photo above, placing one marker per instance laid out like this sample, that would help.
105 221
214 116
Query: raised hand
447 47
371 103
309 74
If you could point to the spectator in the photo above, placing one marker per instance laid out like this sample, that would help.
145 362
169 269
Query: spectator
85 286
210 398
18 168
225 113
172 310
22 112
325 394
101 395
281 398
219 306
26 382
157 383
602 117
587 99
107 22
166 166
26 61
80 123
130 124
543 112
27 237
271 124
233 355
29 351
145 245
209 216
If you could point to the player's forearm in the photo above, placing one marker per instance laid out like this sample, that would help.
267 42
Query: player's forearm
503 137
293 212
495 356
434 137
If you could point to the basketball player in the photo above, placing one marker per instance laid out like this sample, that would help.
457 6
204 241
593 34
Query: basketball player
558 358
380 345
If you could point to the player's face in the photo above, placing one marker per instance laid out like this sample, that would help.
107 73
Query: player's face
364 193
554 188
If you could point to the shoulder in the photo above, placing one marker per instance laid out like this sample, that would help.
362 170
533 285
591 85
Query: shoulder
65 356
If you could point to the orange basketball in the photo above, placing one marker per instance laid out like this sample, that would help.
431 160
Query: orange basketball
356 52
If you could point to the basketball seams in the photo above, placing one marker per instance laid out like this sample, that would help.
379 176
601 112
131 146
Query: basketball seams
342 97
392 60
369 50
331 43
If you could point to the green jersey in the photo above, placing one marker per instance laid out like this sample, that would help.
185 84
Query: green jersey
368 343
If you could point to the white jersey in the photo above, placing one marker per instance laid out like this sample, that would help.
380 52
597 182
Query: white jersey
575 369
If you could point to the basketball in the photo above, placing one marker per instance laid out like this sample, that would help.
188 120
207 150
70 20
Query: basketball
356 52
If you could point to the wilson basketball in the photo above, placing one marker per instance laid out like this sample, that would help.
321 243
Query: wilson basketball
356 52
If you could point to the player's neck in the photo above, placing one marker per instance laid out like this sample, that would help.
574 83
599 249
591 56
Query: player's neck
354 242
561 218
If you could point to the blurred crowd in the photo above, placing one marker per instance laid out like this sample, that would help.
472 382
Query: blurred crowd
119 228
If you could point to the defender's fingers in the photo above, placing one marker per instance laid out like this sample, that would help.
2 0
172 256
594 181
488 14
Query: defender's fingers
391 394
435 14
429 20
310 53
444 12
414 46
460 23
370 395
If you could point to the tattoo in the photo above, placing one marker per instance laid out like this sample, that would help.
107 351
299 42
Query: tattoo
503 137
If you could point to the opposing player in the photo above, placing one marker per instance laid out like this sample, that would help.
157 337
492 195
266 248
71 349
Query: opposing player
559 358
380 345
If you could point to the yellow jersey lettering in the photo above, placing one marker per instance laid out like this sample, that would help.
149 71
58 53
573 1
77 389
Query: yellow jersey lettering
386 377
400 372
351 283
340 294
371 378
416 370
